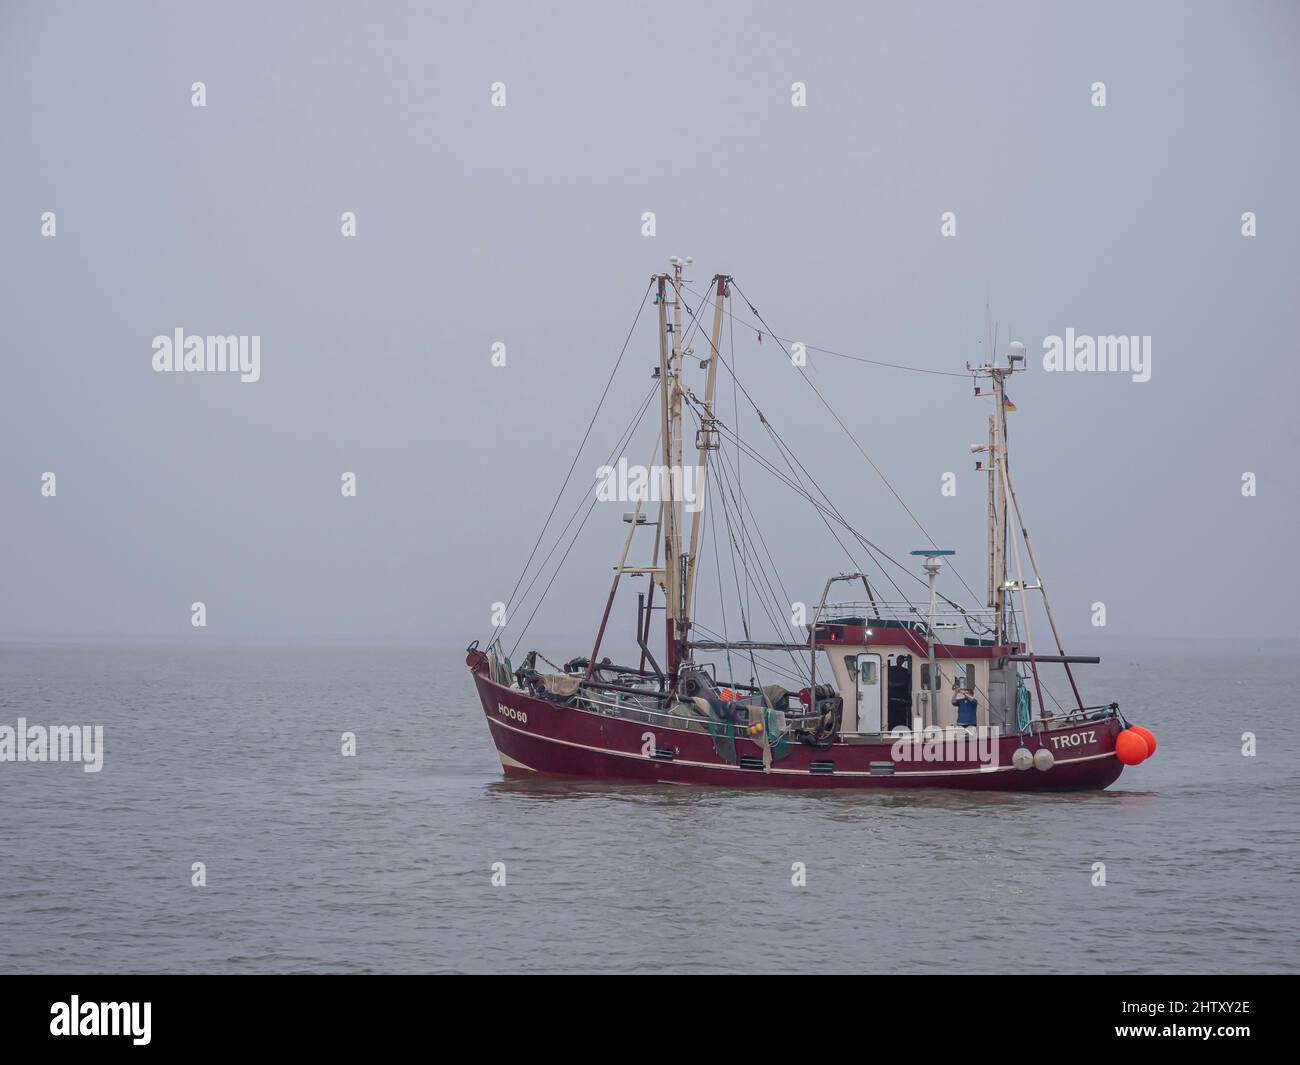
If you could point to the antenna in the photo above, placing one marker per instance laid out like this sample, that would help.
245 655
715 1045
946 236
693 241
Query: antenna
934 557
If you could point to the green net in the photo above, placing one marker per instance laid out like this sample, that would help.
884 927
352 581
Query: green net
780 744
1022 704
723 733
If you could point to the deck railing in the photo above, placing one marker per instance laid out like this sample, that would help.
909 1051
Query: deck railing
979 621
628 707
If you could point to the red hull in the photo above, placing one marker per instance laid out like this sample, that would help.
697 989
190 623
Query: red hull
533 736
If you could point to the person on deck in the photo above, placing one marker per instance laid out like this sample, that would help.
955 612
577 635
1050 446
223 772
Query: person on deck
964 700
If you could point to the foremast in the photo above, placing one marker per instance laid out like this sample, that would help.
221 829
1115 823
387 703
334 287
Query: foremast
677 576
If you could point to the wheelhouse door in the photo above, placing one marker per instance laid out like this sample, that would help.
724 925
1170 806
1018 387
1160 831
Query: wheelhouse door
869 693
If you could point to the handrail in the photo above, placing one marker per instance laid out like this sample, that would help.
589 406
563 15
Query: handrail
596 703
895 610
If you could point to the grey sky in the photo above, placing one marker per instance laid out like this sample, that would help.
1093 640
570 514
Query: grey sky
522 224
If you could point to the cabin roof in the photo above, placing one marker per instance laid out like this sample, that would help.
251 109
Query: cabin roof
911 636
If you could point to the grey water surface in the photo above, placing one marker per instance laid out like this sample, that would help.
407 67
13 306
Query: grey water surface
231 756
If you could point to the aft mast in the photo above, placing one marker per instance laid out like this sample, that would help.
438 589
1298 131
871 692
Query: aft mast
1002 493
997 493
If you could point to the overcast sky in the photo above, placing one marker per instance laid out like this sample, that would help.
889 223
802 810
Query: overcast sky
523 224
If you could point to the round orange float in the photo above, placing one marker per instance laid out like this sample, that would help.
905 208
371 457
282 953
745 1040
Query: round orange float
1130 747
1147 735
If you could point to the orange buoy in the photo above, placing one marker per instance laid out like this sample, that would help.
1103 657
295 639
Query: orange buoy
1130 747
1147 735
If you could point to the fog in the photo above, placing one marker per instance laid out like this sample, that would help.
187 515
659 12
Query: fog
523 225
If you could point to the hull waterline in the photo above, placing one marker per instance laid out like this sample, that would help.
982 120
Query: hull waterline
535 737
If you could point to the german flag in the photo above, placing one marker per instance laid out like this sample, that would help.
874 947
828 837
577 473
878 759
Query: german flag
1006 402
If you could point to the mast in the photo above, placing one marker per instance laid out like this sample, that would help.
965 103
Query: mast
670 513
997 493
665 509
705 440
675 464
1000 490
999 505
989 450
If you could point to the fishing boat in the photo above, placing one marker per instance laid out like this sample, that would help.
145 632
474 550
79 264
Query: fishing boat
872 688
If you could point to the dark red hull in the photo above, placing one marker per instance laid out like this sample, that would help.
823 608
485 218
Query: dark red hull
534 737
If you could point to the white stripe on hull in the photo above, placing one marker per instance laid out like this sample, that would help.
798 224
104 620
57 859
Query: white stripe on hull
788 772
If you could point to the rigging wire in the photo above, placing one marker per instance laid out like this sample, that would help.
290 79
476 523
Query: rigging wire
739 550
772 431
784 448
730 493
577 455
722 598
764 330
879 472
873 549
771 664
618 447
739 502
735 396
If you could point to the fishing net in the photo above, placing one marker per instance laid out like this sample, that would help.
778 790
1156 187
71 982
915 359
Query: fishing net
723 730
781 743
1022 704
